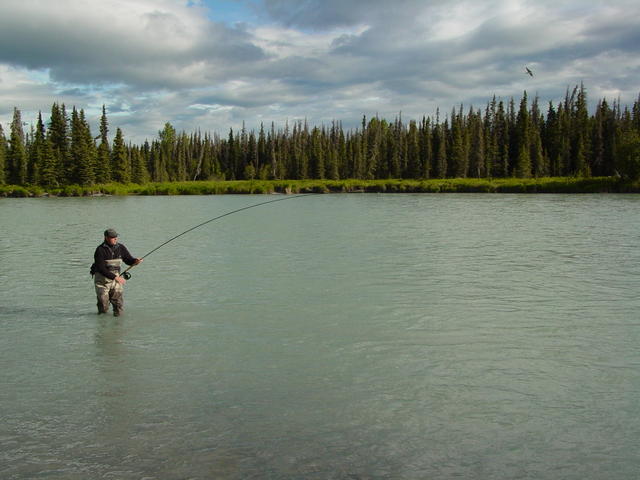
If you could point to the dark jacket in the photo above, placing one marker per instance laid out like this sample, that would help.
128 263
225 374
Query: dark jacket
106 252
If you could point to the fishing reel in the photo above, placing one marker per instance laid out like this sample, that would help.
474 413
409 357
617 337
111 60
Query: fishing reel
126 275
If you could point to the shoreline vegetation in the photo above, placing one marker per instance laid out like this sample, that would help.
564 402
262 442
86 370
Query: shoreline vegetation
239 187
501 148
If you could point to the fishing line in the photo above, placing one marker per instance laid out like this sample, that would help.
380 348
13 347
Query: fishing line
126 273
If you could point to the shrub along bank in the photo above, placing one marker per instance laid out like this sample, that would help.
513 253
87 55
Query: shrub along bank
459 185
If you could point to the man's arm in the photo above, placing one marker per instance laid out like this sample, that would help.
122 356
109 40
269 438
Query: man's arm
127 257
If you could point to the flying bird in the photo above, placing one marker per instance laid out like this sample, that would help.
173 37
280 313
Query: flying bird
529 71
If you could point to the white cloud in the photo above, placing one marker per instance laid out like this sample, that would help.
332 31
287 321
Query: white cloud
157 61
144 43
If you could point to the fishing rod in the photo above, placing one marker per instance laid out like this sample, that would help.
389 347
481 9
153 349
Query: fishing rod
126 275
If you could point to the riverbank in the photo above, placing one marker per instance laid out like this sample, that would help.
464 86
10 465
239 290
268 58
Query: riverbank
458 185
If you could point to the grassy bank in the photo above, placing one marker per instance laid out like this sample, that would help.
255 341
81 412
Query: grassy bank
459 185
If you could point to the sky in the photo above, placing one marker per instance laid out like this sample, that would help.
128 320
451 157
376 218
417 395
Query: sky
212 65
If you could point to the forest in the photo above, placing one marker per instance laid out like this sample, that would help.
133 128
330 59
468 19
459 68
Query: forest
500 141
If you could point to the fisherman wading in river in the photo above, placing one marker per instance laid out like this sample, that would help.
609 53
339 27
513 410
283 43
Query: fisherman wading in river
109 283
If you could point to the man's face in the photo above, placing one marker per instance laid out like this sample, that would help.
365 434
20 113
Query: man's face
111 240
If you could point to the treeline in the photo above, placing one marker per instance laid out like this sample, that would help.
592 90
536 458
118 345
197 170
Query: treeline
500 141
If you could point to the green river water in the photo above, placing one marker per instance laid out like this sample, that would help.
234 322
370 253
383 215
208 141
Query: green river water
346 336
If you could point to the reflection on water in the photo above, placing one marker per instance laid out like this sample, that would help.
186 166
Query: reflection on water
339 336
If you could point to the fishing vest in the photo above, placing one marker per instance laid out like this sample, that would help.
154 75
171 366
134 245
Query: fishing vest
114 263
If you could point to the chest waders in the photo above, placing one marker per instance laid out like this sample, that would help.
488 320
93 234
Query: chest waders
109 291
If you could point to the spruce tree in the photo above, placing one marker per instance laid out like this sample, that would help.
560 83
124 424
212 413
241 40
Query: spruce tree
165 168
457 155
49 169
440 150
139 173
551 140
317 154
155 161
523 160
341 153
425 148
581 145
333 172
396 149
500 164
232 160
59 139
103 154
629 154
181 158
539 163
3 156
83 152
610 131
119 159
17 158
414 167
477 166
373 153
252 156
37 152
77 151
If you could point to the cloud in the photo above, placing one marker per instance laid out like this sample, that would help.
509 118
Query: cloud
157 61
29 91
144 43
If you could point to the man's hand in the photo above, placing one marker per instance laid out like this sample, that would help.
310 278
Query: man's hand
120 280
138 260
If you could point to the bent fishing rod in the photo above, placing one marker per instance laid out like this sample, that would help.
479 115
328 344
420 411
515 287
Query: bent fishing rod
126 275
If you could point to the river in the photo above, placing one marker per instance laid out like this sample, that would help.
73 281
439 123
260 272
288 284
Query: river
342 336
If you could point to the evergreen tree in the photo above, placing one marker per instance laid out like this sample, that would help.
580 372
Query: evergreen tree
490 140
58 134
3 156
477 165
372 153
629 152
402 146
552 140
139 173
342 152
539 164
232 159
458 162
103 154
440 151
425 148
37 153
523 161
253 155
501 139
414 166
17 157
120 160
317 156
564 131
49 169
635 117
181 158
581 146
499 143
167 147
83 152
393 153
88 173
611 134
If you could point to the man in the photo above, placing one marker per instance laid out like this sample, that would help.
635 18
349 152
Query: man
106 270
